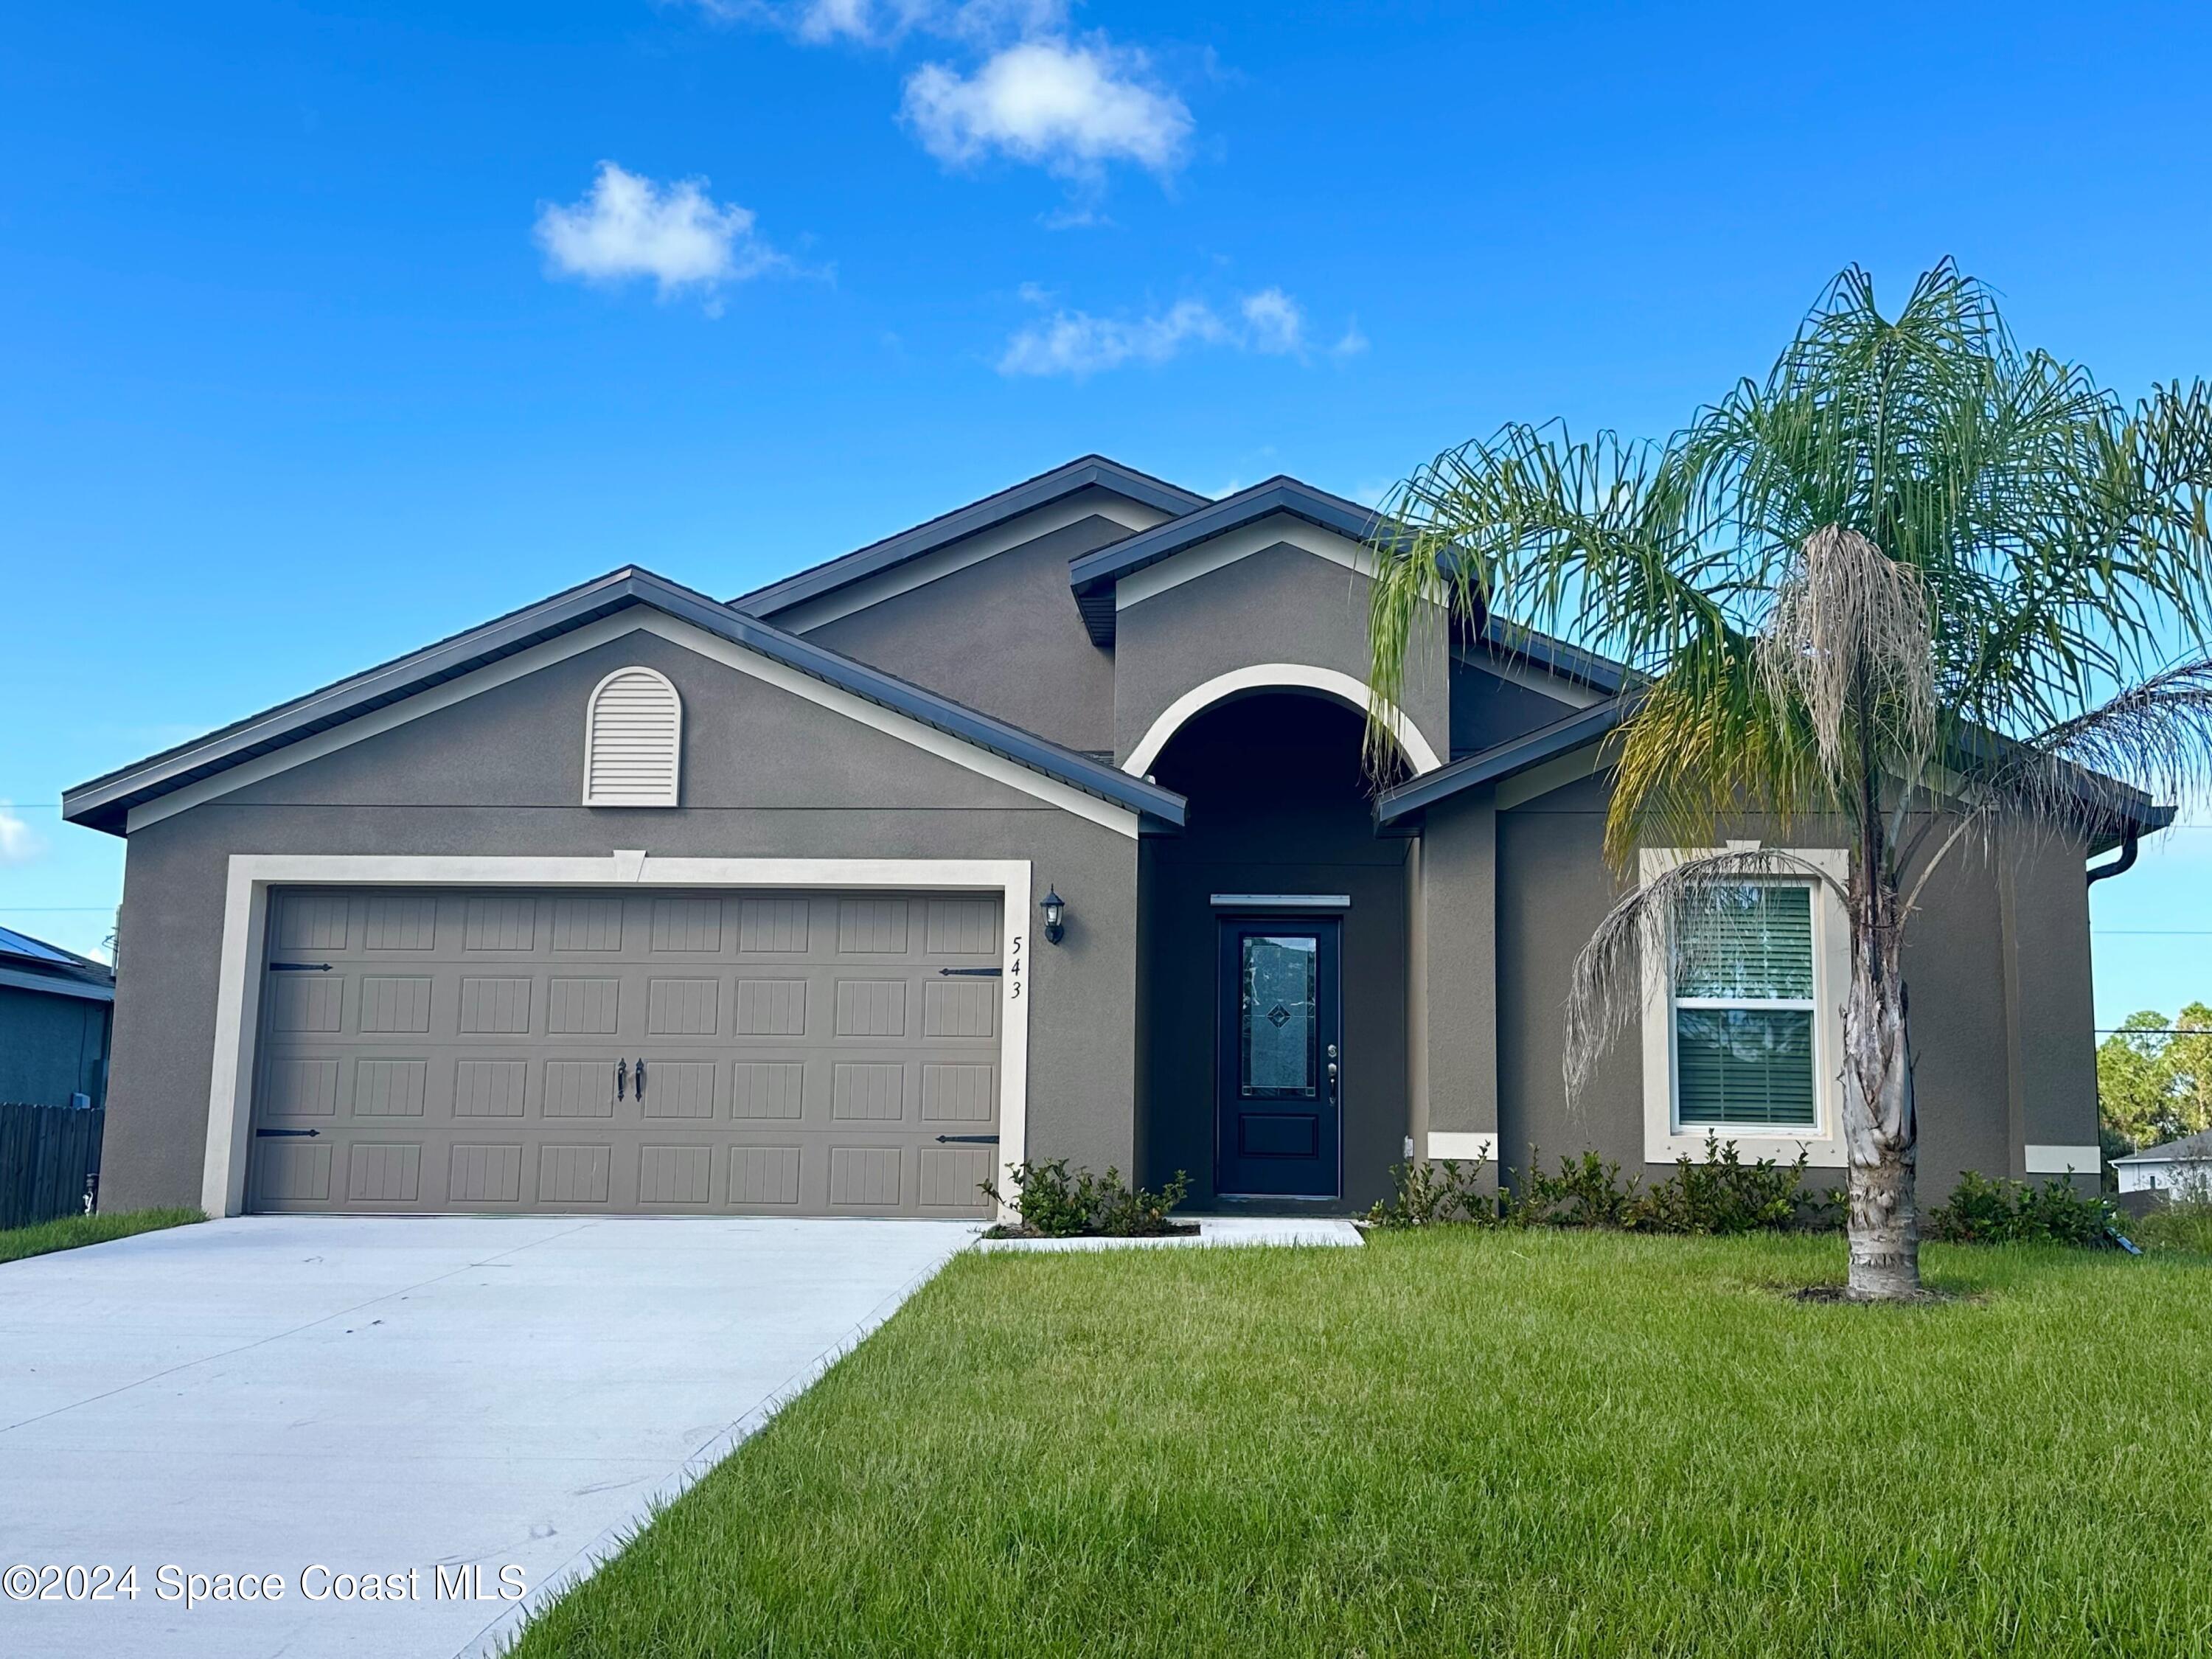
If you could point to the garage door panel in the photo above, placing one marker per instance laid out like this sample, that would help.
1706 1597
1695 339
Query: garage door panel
455 1050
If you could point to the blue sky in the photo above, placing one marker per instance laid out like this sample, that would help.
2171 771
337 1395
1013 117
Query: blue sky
324 330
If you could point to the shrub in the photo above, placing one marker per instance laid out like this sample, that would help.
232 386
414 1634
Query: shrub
2183 1224
1724 1195
1984 1212
1440 1190
1055 1202
1587 1192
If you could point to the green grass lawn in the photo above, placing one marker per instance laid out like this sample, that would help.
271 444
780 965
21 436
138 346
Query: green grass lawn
71 1230
1526 1443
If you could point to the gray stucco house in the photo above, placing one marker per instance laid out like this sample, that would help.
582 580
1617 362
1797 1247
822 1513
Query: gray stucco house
638 900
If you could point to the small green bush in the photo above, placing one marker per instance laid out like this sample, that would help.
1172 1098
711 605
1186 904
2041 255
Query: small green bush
2183 1226
1981 1210
1441 1190
1720 1195
1055 1202
1723 1194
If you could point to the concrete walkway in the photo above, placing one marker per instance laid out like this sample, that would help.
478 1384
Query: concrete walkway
378 1397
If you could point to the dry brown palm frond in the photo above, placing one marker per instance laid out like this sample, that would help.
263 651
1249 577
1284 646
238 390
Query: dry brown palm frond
1643 930
1850 636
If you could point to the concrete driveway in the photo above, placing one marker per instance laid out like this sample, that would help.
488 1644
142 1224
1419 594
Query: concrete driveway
373 1397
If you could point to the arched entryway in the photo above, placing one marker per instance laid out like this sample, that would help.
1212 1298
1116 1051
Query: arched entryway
1272 930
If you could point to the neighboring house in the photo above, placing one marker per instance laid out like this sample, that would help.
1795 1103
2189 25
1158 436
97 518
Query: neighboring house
2179 1166
636 900
54 1008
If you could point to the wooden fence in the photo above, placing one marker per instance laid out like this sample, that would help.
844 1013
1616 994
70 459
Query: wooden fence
49 1160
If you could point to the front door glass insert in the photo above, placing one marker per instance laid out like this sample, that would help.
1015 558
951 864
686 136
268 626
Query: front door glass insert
1280 986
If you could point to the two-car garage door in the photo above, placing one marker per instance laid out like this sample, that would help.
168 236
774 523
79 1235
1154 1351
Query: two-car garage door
762 1053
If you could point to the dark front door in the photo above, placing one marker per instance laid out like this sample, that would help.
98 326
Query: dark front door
1277 1116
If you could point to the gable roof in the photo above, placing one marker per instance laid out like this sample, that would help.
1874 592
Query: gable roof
1087 472
1093 576
1502 760
105 802
31 964
2189 1149
2112 807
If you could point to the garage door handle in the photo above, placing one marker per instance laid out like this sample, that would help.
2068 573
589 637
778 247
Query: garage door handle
981 1140
969 973
285 1134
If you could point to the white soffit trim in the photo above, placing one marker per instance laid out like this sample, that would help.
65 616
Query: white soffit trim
1331 682
1571 768
636 620
1462 1143
1207 556
2058 1160
934 566
244 939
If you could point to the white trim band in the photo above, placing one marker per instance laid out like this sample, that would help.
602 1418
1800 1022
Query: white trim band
245 941
2059 1160
1464 1143
1280 676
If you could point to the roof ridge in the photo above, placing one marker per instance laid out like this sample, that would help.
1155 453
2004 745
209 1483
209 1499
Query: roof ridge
967 520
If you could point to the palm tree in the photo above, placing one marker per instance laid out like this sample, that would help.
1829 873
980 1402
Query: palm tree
1920 585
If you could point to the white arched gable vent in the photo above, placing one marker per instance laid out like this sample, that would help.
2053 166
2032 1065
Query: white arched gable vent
633 737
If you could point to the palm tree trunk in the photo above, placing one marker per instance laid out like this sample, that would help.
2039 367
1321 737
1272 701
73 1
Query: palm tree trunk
1879 1126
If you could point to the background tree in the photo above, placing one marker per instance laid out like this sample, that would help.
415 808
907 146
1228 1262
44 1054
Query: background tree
2154 1078
1916 567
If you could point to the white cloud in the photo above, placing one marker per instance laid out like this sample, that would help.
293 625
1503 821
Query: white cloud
1278 326
885 22
676 233
1066 106
18 844
1352 343
1078 343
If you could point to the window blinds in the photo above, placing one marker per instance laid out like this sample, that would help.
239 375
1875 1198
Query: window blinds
1743 1011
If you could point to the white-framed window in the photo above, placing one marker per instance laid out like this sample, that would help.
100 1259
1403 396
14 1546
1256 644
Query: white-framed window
633 740
1742 1030
1743 1011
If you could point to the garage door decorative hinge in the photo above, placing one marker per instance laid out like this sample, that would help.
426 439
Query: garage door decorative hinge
979 1140
969 973
287 1134
299 967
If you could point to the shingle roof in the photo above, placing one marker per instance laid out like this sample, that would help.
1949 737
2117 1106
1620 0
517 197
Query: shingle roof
31 964
1094 575
2189 1149
105 802
1087 472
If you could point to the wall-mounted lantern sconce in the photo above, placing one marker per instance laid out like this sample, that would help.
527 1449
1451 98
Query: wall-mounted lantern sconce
1055 917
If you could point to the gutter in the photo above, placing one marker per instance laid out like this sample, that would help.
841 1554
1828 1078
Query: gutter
2130 846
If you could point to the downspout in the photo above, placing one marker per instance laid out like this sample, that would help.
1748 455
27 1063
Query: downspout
2122 865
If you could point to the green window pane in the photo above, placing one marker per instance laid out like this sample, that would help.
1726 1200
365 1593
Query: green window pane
1744 1066
1753 943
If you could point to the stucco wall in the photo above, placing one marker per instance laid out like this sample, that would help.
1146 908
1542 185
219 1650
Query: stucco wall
1986 1082
1002 635
1280 604
765 774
